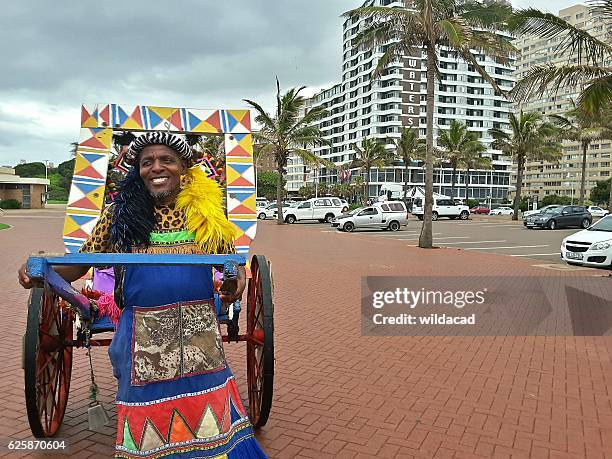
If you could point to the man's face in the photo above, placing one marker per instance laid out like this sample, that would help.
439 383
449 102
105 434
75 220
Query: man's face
160 170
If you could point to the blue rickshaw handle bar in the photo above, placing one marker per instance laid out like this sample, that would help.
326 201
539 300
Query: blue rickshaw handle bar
40 267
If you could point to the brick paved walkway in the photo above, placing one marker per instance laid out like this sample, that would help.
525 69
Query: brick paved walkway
338 394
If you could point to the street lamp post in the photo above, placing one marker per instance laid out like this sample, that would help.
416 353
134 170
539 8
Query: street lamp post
46 161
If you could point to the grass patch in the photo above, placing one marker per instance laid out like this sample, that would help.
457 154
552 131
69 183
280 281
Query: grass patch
3 226
55 201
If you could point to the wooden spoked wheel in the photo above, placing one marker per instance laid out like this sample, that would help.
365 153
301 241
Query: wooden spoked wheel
47 361
260 342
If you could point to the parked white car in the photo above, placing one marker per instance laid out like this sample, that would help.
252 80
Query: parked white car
590 247
267 211
390 215
345 205
322 209
442 207
597 211
502 211
261 202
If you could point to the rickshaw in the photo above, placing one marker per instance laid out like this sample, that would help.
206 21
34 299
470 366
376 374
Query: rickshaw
61 317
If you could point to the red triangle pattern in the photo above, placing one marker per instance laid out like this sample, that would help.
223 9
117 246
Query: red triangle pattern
90 172
84 114
93 142
233 390
227 422
191 408
175 119
84 203
240 152
241 181
136 116
241 209
105 115
246 121
243 240
79 233
215 120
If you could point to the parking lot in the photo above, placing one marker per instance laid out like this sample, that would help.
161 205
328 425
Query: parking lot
495 234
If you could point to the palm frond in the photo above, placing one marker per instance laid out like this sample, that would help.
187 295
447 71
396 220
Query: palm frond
262 116
541 77
467 56
574 40
601 8
491 15
493 45
378 13
597 96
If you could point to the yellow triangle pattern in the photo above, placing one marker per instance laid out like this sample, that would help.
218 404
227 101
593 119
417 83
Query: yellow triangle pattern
209 426
70 225
105 136
163 112
232 174
204 127
131 123
90 122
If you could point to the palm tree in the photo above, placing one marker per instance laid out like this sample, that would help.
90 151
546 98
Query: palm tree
372 153
593 55
584 126
290 131
315 163
455 141
472 159
409 148
531 139
427 25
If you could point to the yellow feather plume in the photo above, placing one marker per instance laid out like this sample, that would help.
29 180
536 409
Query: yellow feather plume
202 202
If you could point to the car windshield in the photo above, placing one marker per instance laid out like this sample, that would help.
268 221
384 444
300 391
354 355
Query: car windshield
354 211
605 224
552 211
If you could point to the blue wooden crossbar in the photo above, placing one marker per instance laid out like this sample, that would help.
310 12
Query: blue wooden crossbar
40 267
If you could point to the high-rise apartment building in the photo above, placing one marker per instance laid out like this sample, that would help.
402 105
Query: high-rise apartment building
562 178
361 107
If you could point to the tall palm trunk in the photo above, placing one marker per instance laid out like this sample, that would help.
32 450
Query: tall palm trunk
279 194
426 237
467 184
366 184
585 146
406 172
519 185
453 179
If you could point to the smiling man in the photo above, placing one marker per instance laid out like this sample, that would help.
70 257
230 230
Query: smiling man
176 395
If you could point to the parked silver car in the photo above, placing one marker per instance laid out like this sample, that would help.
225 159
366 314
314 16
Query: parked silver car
390 215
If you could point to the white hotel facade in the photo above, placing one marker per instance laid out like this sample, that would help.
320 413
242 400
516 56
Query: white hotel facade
361 107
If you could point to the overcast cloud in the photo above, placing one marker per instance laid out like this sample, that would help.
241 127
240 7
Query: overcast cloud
193 53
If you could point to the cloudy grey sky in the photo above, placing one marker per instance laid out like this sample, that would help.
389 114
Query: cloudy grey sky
193 53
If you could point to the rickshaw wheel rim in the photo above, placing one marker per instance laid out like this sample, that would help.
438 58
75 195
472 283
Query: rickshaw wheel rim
260 355
48 362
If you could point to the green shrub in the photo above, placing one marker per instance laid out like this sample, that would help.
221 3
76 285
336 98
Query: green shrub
10 204
472 203
555 199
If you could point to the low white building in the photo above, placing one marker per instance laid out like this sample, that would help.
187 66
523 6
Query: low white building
29 192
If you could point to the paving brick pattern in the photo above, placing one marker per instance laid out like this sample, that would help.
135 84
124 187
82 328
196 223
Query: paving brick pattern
339 394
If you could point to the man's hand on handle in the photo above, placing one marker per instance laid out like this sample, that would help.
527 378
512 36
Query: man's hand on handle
230 297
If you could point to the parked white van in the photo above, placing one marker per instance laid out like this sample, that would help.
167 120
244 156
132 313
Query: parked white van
390 215
322 209
442 207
